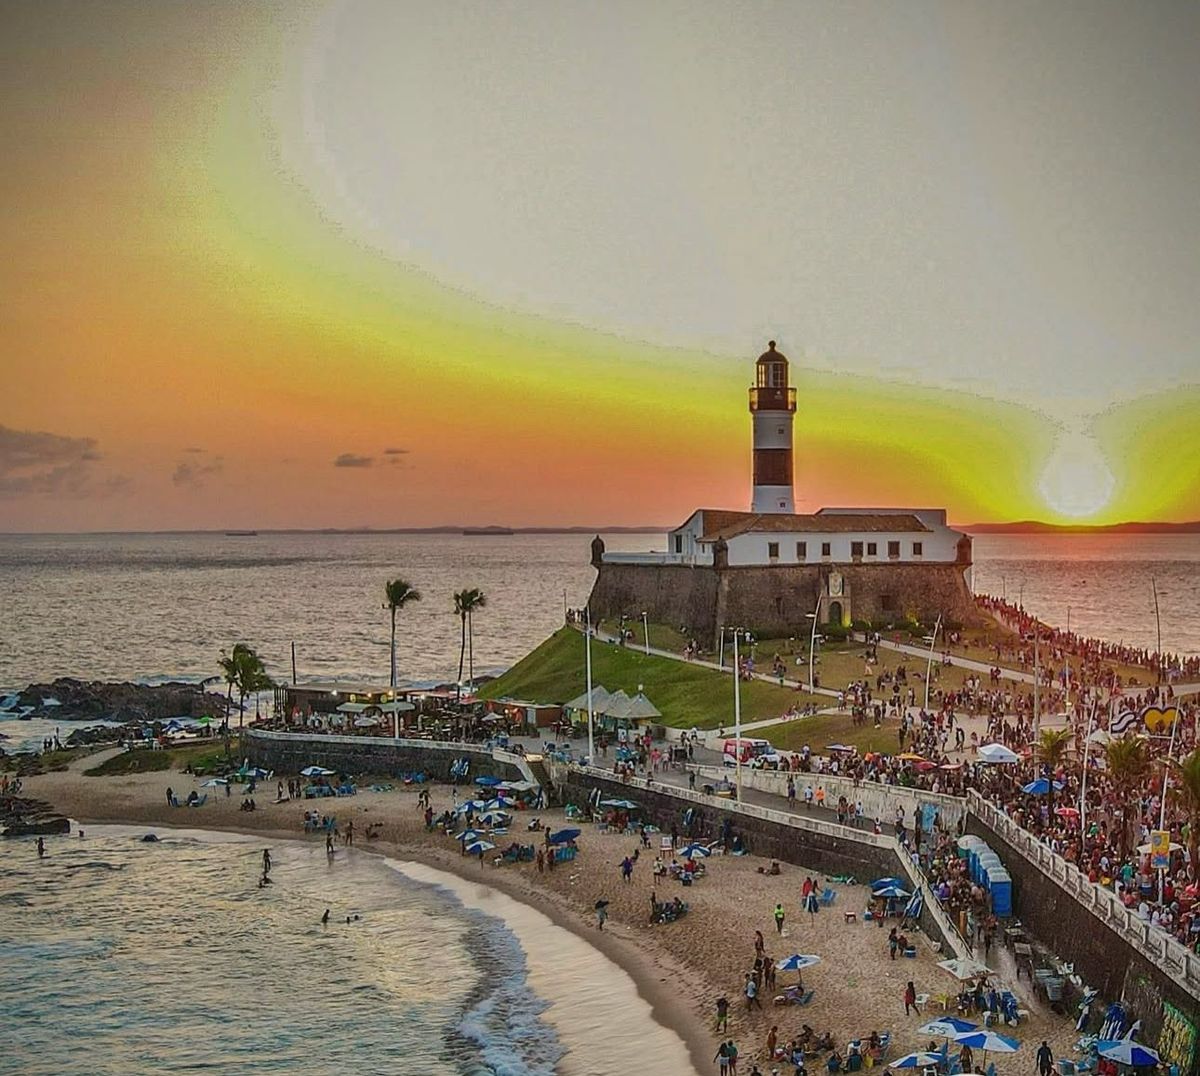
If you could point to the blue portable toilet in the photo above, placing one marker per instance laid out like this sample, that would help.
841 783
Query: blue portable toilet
1000 887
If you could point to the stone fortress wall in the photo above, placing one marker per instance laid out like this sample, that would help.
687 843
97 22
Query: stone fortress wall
775 600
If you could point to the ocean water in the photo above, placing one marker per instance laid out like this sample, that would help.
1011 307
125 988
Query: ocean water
121 956
152 606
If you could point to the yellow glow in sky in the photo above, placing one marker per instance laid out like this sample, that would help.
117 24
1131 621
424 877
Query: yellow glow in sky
401 265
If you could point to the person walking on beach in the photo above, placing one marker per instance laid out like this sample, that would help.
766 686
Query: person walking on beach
751 992
627 869
329 842
779 917
893 942
601 914
722 1013
910 999
722 1059
732 1050
1045 1059
266 861
170 796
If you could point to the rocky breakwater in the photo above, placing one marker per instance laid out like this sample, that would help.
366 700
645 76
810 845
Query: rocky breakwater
66 699
21 817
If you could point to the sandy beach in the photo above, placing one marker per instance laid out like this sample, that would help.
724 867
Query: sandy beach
679 968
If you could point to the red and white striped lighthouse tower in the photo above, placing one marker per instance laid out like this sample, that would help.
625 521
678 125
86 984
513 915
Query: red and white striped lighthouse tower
772 405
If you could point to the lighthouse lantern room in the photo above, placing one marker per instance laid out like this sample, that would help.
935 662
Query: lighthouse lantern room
772 406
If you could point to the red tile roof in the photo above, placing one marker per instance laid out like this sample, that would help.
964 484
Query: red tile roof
723 524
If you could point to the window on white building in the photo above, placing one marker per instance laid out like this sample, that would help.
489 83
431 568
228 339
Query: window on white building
918 549
802 551
894 550
679 543
856 549
773 550
872 549
825 549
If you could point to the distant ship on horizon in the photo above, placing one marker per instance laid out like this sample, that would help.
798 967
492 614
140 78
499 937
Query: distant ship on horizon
478 532
241 534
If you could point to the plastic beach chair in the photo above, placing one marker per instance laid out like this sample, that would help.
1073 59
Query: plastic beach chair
828 896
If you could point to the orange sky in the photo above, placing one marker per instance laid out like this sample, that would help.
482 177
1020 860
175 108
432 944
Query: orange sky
222 311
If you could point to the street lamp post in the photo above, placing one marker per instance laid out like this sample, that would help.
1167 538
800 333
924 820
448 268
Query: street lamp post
1087 744
929 664
646 630
814 616
587 634
737 716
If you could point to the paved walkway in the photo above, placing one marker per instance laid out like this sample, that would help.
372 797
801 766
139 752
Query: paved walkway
922 652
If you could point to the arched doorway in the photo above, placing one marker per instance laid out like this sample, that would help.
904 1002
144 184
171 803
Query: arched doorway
835 613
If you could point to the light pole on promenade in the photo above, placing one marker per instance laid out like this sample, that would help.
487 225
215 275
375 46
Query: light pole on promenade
814 616
929 664
587 646
646 630
737 713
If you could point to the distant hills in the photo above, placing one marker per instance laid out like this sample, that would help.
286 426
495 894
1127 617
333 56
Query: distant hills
1033 526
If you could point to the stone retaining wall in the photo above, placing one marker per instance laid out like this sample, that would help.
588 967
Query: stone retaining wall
287 753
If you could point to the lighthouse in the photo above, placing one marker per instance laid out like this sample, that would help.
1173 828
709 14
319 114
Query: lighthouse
772 405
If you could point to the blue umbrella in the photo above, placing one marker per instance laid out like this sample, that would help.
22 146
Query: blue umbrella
1040 787
564 835
988 1041
947 1027
625 805
915 1061
889 892
913 909
693 850
883 883
488 781
797 962
468 835
1128 1052
478 847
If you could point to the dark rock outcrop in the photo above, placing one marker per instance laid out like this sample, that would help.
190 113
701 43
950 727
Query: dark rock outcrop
82 701
20 817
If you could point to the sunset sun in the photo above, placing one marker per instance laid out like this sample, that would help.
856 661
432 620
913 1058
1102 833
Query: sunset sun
1076 481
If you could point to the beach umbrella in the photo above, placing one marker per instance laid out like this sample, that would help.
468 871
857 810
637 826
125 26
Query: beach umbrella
564 835
315 771
1128 1052
890 892
988 1042
477 848
694 850
915 1061
1067 812
797 962
624 805
915 905
883 883
838 747
964 969
909 756
1040 787
997 753
215 781
493 818
496 804
488 781
468 835
1144 849
947 1027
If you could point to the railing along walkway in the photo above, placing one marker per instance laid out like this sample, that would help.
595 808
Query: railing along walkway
1162 950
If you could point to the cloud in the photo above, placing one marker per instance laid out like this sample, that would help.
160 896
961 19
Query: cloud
349 459
194 475
35 462
395 451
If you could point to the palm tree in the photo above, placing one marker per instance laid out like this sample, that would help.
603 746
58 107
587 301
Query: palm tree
465 602
1126 760
230 664
399 593
1186 789
1050 749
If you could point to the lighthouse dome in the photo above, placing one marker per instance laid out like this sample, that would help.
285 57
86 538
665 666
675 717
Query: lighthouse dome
771 368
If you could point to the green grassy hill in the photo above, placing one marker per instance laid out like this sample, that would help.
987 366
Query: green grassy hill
686 694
